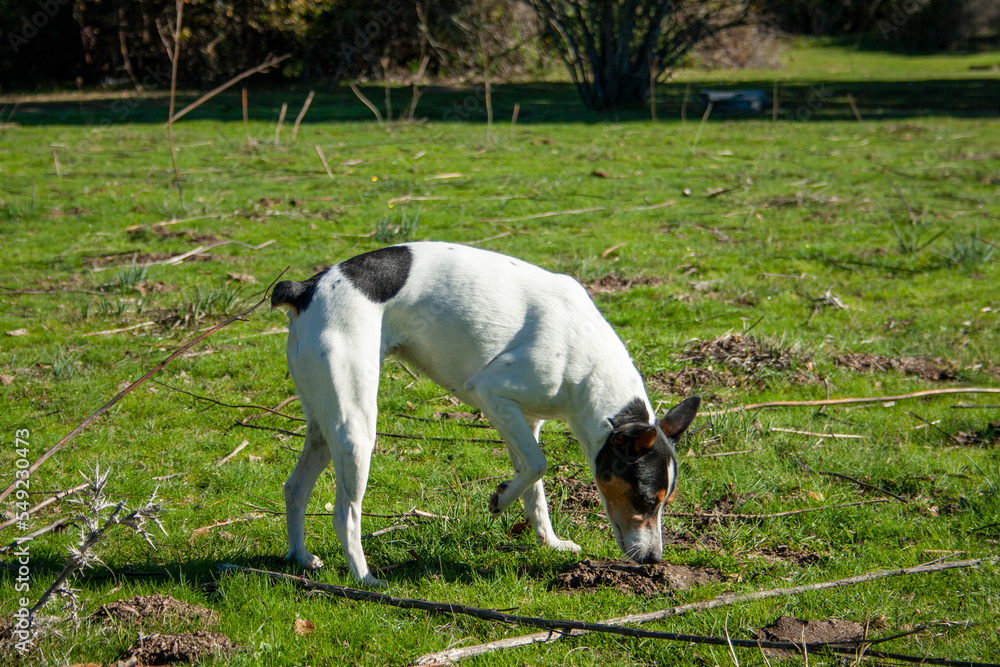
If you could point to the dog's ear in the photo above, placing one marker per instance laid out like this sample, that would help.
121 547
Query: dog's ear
680 417
633 441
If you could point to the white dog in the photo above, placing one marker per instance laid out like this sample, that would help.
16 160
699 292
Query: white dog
520 343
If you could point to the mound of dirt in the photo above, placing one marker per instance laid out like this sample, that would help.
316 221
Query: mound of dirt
631 577
743 353
703 542
932 370
153 609
985 437
785 553
161 649
690 381
612 284
795 630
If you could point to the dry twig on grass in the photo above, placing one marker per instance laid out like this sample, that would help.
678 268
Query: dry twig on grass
850 401
556 628
755 517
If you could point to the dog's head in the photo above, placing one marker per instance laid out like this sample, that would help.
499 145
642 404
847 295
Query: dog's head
636 474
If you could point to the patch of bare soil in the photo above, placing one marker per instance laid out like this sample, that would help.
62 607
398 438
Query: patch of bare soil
156 608
795 630
932 370
630 577
785 553
613 284
744 353
163 649
690 381
987 436
684 540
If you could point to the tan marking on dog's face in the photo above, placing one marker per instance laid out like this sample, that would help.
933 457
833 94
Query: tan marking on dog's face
616 492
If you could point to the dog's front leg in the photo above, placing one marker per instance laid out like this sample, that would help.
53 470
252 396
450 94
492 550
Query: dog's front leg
536 509
313 460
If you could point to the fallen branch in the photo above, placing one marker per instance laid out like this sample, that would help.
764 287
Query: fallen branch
815 435
127 390
232 405
177 259
863 485
122 330
850 401
58 523
223 461
450 655
754 517
45 503
548 214
611 627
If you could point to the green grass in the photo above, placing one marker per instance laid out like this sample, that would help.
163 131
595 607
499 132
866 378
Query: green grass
888 215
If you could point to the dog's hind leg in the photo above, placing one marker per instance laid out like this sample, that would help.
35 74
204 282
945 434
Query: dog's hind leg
313 460
536 510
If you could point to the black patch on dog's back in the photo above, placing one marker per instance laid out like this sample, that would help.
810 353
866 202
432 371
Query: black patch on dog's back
296 294
632 413
379 274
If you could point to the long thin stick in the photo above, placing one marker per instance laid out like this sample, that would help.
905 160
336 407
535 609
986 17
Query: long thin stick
173 97
368 103
322 158
723 600
513 118
45 503
281 119
611 627
754 517
127 390
302 114
851 401
704 119
246 117
270 62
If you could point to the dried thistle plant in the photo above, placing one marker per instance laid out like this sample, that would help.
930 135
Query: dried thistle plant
97 515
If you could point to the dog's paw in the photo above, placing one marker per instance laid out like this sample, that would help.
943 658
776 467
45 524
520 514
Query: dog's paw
369 581
566 545
307 561
495 499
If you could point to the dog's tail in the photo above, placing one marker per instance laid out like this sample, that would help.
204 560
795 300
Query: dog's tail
294 294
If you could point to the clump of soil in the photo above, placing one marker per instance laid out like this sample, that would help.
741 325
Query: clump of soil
988 436
785 553
690 381
630 577
613 284
163 649
703 542
743 353
156 608
795 630
932 370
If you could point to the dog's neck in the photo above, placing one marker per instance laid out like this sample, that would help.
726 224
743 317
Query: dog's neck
606 411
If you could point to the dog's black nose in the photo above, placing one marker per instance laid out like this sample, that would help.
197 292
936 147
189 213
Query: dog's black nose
651 559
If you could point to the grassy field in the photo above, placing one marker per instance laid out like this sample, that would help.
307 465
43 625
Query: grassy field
819 251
